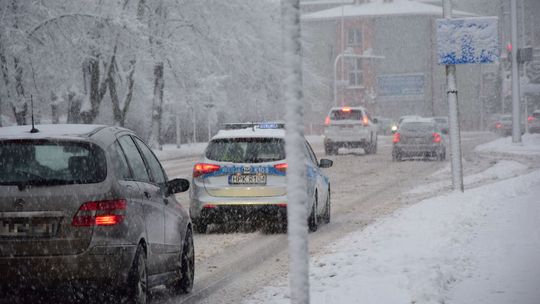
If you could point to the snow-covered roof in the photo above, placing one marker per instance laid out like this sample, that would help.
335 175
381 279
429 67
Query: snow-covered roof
380 8
48 131
250 133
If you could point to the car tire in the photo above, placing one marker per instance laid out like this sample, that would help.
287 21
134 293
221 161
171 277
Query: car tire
138 278
199 226
327 209
185 284
313 220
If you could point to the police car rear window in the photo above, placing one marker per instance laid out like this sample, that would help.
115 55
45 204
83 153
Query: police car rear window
246 150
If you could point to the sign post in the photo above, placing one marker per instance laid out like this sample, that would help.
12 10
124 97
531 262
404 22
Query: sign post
462 41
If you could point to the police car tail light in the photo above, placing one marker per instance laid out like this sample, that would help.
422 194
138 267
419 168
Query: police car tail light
397 138
436 138
202 169
327 120
100 213
281 167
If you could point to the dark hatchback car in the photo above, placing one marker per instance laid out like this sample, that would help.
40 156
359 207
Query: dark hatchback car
419 138
89 206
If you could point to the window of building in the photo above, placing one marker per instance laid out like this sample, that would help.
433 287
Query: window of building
354 37
355 72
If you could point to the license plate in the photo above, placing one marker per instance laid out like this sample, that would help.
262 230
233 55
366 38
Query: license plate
241 179
25 227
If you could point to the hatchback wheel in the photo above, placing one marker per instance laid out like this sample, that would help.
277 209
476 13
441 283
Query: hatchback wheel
186 271
138 279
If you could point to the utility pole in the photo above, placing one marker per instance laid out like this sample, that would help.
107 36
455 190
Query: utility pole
516 125
452 96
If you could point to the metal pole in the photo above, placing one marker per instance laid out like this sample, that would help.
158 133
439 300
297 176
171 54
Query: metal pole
297 198
523 44
481 98
452 95
335 79
516 125
177 130
194 125
209 130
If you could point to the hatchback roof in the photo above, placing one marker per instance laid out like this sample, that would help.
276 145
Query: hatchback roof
48 131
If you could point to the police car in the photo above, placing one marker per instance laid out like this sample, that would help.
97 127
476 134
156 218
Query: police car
242 178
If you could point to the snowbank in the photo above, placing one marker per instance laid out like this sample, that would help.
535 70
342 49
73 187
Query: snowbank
530 145
481 246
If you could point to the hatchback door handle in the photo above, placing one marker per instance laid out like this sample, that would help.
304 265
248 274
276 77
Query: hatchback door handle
147 194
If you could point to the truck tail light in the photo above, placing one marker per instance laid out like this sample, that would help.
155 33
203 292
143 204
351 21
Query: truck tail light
202 169
100 213
436 137
397 138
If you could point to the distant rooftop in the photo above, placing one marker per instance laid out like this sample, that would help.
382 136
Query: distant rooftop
379 8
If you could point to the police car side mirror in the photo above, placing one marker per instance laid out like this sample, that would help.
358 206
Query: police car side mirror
325 163
177 185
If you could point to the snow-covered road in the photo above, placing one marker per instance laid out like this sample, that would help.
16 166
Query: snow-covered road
232 265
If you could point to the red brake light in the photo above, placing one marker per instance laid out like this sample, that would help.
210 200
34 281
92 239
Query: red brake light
100 213
436 138
327 120
530 118
397 138
202 169
365 120
281 167
498 125
346 109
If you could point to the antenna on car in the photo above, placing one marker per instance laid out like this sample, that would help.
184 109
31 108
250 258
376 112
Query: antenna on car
34 130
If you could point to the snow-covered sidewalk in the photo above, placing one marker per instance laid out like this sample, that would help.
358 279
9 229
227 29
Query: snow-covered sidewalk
481 246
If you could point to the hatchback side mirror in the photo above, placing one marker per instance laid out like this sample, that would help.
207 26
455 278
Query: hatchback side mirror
177 185
325 163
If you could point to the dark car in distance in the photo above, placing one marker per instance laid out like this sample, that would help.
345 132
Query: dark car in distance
419 137
90 206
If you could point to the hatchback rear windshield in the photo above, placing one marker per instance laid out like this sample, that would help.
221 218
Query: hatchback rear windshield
246 150
418 126
51 163
346 115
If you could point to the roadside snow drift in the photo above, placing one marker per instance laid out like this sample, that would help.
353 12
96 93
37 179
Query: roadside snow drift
481 246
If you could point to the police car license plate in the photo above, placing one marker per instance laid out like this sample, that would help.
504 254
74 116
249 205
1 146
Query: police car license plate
240 179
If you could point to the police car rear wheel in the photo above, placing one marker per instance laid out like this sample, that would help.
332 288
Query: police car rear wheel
313 220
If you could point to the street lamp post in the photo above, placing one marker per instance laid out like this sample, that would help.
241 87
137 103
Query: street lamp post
348 55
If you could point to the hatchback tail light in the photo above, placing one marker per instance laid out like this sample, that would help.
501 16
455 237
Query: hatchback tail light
100 213
281 167
436 137
202 169
397 138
